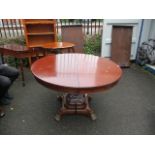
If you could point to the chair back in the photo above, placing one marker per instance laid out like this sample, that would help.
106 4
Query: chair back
73 34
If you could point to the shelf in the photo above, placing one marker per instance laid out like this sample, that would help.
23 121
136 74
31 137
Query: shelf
39 22
40 29
40 33
39 40
35 45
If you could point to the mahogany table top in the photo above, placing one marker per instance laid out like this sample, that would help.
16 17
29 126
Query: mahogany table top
80 73
58 45
18 51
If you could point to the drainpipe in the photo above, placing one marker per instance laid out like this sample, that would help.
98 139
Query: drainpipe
140 35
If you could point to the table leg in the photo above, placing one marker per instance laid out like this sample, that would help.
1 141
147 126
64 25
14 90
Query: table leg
62 99
69 50
73 49
15 59
44 52
88 108
30 61
37 55
2 57
59 51
75 104
2 113
22 71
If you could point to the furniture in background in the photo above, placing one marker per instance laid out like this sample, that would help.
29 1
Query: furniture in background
76 75
73 34
39 32
19 52
121 45
58 47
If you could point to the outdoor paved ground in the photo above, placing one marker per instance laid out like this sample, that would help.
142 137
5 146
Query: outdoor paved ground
128 108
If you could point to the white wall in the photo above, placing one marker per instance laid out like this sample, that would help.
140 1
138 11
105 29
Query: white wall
148 30
152 29
145 30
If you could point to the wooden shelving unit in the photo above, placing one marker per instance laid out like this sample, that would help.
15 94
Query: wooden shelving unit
39 31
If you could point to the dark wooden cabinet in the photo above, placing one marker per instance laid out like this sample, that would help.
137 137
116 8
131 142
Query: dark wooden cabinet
74 34
121 45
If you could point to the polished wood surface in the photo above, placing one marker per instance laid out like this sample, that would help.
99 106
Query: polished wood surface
15 50
59 45
78 73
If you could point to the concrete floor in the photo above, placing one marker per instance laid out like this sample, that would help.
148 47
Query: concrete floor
128 108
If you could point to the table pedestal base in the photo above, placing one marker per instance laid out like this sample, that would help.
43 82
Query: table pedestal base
75 104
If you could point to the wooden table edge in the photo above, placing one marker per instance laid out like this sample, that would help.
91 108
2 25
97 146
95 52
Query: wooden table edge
80 90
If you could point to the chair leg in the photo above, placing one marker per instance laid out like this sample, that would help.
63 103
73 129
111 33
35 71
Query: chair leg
73 49
15 59
2 57
69 51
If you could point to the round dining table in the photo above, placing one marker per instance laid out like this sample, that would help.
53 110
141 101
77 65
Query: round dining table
59 46
76 75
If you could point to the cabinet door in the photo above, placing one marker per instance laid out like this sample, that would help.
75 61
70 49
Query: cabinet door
121 45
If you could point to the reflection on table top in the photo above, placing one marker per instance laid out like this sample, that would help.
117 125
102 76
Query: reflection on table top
58 45
76 71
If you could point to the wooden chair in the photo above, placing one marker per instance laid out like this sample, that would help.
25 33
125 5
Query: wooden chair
73 34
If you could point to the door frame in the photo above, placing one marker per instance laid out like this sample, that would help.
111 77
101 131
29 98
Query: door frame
107 34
